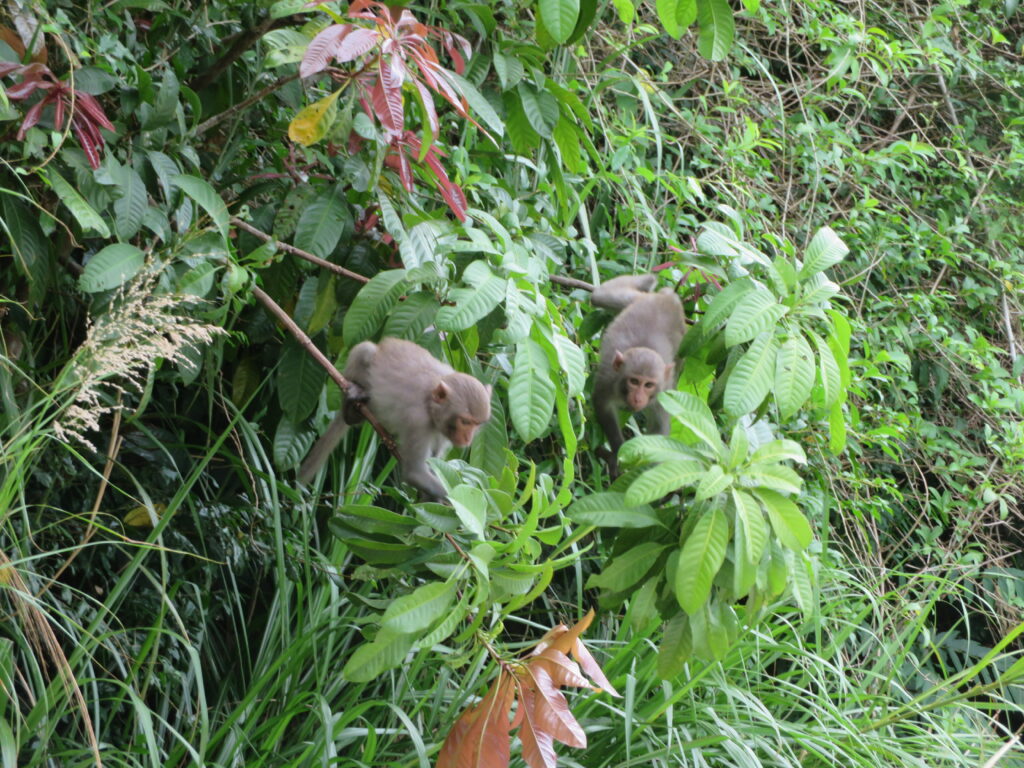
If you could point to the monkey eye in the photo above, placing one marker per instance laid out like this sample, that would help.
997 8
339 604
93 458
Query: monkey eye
634 382
649 384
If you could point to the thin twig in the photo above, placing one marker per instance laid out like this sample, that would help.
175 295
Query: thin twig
343 384
570 282
298 251
244 104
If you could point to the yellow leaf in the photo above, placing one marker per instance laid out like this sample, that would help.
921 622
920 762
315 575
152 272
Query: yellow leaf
139 517
312 122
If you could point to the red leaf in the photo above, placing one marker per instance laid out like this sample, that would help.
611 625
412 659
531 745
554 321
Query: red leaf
358 43
538 746
594 672
58 114
92 110
428 107
387 101
322 48
8 67
31 118
551 710
26 88
480 736
81 133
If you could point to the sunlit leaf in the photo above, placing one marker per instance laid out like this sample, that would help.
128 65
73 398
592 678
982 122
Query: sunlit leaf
699 560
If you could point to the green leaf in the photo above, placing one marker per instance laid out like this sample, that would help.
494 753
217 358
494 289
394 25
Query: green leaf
794 374
828 372
779 450
559 17
648 449
757 312
371 520
130 207
663 479
717 29
479 106
410 317
113 266
774 476
787 520
291 443
573 363
714 482
371 305
752 377
473 304
322 223
541 109
610 510
700 559
824 250
676 15
627 569
521 135
84 213
166 103
207 199
470 504
419 246
165 169
299 381
723 303
509 68
324 305
676 647
626 13
694 414
371 659
837 429
531 392
739 446
751 527
416 611
801 582
568 141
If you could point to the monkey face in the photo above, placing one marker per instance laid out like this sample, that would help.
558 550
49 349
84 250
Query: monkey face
461 430
640 390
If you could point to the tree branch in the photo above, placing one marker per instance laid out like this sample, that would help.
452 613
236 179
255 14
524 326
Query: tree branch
298 251
244 104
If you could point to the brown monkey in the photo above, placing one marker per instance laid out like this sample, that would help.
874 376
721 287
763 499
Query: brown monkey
638 353
423 402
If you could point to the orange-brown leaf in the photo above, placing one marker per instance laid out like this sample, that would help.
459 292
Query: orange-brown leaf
480 737
562 669
549 709
538 744
582 655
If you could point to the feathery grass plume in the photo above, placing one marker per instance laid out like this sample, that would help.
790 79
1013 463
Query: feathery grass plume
121 348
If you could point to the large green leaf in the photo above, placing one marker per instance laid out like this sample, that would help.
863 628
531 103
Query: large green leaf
723 303
299 381
700 559
717 28
779 450
369 660
410 317
694 414
774 476
649 449
322 223
371 305
572 362
824 250
531 392
788 521
475 303
130 207
751 526
470 504
676 647
676 15
478 105
627 569
794 374
610 510
84 213
801 581
828 372
419 609
291 443
559 17
752 377
207 198
715 481
662 479
111 267
755 313
541 109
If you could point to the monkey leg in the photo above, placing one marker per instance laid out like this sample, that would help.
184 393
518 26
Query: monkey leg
413 454
658 421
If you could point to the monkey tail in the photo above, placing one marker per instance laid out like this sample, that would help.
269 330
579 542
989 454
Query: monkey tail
318 454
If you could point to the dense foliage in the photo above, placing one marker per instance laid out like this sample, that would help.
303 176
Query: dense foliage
819 566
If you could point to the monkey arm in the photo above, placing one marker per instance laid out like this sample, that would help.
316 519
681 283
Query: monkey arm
616 294
413 462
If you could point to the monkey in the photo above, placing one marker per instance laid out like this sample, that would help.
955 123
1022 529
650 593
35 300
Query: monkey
639 353
420 400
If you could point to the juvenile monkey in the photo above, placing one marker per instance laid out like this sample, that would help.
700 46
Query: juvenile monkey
638 353
423 402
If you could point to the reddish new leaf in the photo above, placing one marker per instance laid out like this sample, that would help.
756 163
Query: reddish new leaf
355 45
32 117
480 738
590 666
549 707
538 744
89 145
323 48
92 110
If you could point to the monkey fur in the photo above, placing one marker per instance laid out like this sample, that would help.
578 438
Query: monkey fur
423 402
639 351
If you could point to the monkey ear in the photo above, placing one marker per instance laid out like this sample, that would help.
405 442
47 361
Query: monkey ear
669 372
488 387
618 360
440 393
